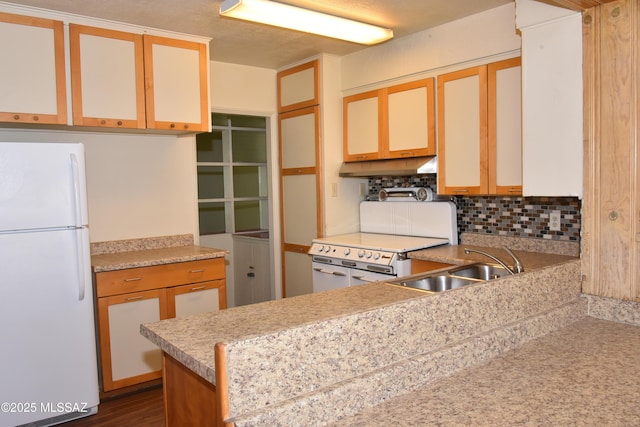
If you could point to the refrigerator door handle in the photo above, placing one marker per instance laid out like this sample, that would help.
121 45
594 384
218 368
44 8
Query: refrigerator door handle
77 195
81 265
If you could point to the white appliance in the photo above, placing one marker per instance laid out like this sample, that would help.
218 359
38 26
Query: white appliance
48 366
388 232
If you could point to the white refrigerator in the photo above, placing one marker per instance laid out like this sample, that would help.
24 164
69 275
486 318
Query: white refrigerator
48 365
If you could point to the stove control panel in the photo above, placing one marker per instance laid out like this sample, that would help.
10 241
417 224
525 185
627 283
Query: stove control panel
346 253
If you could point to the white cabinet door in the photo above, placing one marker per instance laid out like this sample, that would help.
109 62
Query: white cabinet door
196 298
462 132
505 127
107 77
133 358
553 109
176 81
411 118
252 271
362 118
32 74
298 87
298 272
298 136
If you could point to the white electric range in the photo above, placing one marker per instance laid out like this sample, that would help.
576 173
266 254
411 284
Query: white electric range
389 231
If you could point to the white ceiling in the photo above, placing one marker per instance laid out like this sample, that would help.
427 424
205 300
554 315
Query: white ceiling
262 46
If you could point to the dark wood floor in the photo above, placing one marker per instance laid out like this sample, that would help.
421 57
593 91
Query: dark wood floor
139 409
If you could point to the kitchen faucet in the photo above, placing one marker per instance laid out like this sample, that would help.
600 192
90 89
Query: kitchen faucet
517 264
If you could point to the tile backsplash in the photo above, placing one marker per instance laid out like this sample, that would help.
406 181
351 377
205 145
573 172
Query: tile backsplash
501 215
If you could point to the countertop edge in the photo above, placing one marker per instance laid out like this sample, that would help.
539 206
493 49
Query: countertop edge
153 257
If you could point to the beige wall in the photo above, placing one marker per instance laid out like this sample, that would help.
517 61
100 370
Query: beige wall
456 44
137 185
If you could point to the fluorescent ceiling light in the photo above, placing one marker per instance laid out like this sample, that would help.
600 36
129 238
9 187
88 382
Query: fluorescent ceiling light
309 21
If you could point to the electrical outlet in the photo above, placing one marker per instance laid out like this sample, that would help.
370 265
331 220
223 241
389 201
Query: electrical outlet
554 221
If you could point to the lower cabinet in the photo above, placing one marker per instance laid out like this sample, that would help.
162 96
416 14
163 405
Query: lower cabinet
252 270
127 298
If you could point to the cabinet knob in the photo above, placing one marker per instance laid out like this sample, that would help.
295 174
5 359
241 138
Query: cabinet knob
36 118
16 117
102 122
172 125
613 215
119 122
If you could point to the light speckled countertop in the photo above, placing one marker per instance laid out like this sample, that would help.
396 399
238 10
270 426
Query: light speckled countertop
377 354
372 328
149 257
585 374
148 251
176 336
455 255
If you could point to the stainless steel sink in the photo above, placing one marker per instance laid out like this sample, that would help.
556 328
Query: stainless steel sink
480 271
438 283
455 277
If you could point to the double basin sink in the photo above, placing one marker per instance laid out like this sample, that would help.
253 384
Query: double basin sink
454 278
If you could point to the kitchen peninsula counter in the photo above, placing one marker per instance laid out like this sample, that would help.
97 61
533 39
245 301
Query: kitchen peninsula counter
325 355
584 374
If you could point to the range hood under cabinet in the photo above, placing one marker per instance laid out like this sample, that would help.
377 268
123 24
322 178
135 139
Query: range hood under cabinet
390 167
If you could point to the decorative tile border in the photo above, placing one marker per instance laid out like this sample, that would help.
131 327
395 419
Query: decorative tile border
501 215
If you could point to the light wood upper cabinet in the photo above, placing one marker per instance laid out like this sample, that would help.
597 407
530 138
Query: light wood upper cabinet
462 132
363 126
479 130
107 78
393 122
298 87
411 119
32 75
505 127
176 84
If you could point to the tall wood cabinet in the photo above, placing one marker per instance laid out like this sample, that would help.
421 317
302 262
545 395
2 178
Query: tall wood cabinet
300 173
126 298
32 76
479 130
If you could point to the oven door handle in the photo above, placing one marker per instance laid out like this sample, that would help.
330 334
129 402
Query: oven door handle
364 279
335 273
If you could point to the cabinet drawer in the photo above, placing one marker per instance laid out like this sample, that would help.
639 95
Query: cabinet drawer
158 276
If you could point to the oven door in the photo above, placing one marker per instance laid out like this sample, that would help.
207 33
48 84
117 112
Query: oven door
358 277
326 277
